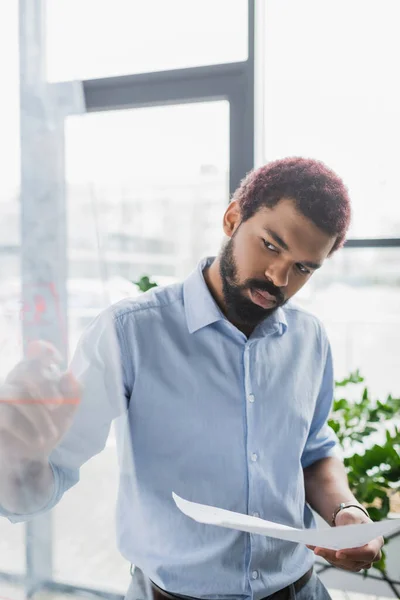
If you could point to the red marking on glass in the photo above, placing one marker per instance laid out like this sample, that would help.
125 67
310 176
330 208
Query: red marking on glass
40 401
40 308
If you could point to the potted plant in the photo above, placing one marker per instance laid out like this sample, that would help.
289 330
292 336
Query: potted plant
145 284
370 438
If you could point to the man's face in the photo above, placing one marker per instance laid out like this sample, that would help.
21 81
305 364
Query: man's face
268 259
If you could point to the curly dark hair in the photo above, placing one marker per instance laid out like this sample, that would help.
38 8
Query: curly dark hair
318 193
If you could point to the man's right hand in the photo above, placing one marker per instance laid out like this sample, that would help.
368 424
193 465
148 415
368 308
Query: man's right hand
37 407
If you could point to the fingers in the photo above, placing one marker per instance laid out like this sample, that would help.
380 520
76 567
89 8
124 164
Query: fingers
329 555
347 565
45 352
71 393
28 374
37 402
38 377
14 421
69 386
370 552
39 418
35 415
358 560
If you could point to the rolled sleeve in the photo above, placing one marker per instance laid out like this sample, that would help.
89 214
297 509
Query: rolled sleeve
58 491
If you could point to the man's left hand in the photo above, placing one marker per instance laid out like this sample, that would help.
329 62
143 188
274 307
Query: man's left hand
352 559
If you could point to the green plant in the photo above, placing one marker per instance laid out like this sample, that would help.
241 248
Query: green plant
145 284
370 439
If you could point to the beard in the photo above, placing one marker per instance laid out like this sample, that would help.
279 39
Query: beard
239 308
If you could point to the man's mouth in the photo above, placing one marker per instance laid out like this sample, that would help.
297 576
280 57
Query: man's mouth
263 298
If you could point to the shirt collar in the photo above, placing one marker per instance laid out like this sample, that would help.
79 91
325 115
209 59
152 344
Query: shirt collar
202 310
200 307
276 323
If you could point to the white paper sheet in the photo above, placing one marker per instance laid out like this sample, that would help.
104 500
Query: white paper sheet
334 538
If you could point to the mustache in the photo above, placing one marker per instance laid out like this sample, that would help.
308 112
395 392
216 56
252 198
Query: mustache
265 286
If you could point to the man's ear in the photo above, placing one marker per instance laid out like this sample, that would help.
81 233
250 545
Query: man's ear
232 218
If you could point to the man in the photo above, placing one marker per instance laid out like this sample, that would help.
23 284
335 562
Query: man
227 388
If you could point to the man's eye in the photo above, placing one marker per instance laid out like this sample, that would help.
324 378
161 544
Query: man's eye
303 269
270 246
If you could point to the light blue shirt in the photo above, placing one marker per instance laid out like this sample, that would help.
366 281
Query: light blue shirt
212 415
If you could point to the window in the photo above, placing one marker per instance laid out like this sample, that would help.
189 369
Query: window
98 38
138 181
332 92
12 551
357 296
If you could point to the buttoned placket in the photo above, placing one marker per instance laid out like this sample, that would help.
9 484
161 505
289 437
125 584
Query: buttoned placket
253 452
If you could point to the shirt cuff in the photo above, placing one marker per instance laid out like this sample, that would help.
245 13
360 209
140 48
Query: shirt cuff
21 518
334 451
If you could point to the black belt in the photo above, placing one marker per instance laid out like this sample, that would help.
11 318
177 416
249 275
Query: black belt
159 594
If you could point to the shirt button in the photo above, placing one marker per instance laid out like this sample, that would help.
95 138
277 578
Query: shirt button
254 457
251 397
254 575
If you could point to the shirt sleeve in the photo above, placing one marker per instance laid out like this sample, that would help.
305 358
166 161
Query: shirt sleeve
97 366
322 441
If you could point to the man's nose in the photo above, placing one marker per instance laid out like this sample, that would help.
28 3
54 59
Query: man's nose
278 274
